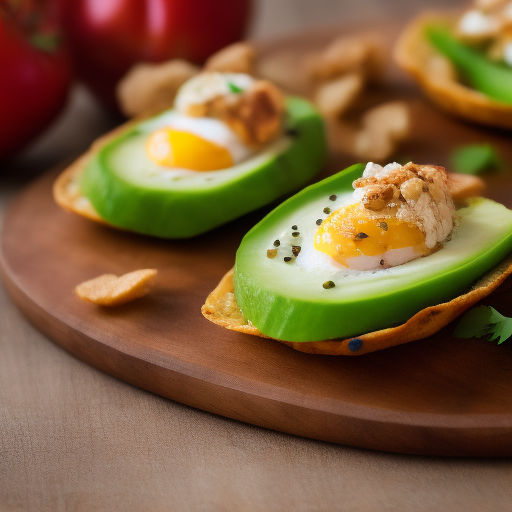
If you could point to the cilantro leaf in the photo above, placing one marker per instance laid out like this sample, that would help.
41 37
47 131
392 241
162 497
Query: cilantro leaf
475 158
234 88
484 320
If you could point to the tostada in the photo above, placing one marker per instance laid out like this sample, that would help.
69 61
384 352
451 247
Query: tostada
463 60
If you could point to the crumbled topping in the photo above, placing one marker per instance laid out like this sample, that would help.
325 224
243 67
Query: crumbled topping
478 24
205 87
489 23
412 193
253 109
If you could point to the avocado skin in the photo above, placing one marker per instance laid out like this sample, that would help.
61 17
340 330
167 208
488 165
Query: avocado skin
168 213
290 315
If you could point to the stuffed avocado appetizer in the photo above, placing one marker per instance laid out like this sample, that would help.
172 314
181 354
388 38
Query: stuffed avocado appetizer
362 251
231 144
463 60
479 45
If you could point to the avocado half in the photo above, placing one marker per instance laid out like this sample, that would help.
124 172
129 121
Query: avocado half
286 303
131 192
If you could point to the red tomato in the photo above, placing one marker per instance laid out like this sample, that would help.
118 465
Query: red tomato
35 73
107 37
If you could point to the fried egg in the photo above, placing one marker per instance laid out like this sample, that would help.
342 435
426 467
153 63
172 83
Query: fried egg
195 143
340 235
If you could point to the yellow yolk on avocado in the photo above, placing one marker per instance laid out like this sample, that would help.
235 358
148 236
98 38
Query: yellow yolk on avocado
185 150
351 232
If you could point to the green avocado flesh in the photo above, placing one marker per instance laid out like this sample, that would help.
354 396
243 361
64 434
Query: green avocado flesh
286 302
130 191
490 78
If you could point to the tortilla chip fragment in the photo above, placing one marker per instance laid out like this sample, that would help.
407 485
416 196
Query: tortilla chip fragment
111 290
333 98
147 86
235 58
363 54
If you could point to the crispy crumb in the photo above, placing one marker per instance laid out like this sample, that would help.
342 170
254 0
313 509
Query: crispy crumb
235 58
383 127
413 193
111 290
391 117
333 98
254 115
147 86
372 144
343 55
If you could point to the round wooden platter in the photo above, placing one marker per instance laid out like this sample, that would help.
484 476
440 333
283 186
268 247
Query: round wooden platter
438 396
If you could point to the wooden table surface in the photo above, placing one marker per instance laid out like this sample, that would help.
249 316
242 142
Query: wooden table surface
72 438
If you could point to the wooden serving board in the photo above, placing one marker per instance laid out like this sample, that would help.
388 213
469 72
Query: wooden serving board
438 396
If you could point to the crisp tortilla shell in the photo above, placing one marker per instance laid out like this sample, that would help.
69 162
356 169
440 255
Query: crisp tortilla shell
416 55
221 307
423 324
66 189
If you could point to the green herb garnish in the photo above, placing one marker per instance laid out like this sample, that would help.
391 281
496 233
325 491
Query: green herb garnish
234 88
484 320
475 159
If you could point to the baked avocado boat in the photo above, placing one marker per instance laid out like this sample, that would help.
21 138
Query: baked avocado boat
335 270
463 61
231 144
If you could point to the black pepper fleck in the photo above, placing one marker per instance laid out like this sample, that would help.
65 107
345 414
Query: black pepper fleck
384 226
327 210
319 222
277 243
381 262
295 250
360 236
292 132
333 197
287 259
328 284
295 234
294 227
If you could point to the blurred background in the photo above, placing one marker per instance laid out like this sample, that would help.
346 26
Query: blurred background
84 118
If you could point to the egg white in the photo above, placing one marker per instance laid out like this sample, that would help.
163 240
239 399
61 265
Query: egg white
207 86
311 260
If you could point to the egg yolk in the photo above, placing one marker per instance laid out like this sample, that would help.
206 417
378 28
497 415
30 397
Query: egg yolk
174 148
351 231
